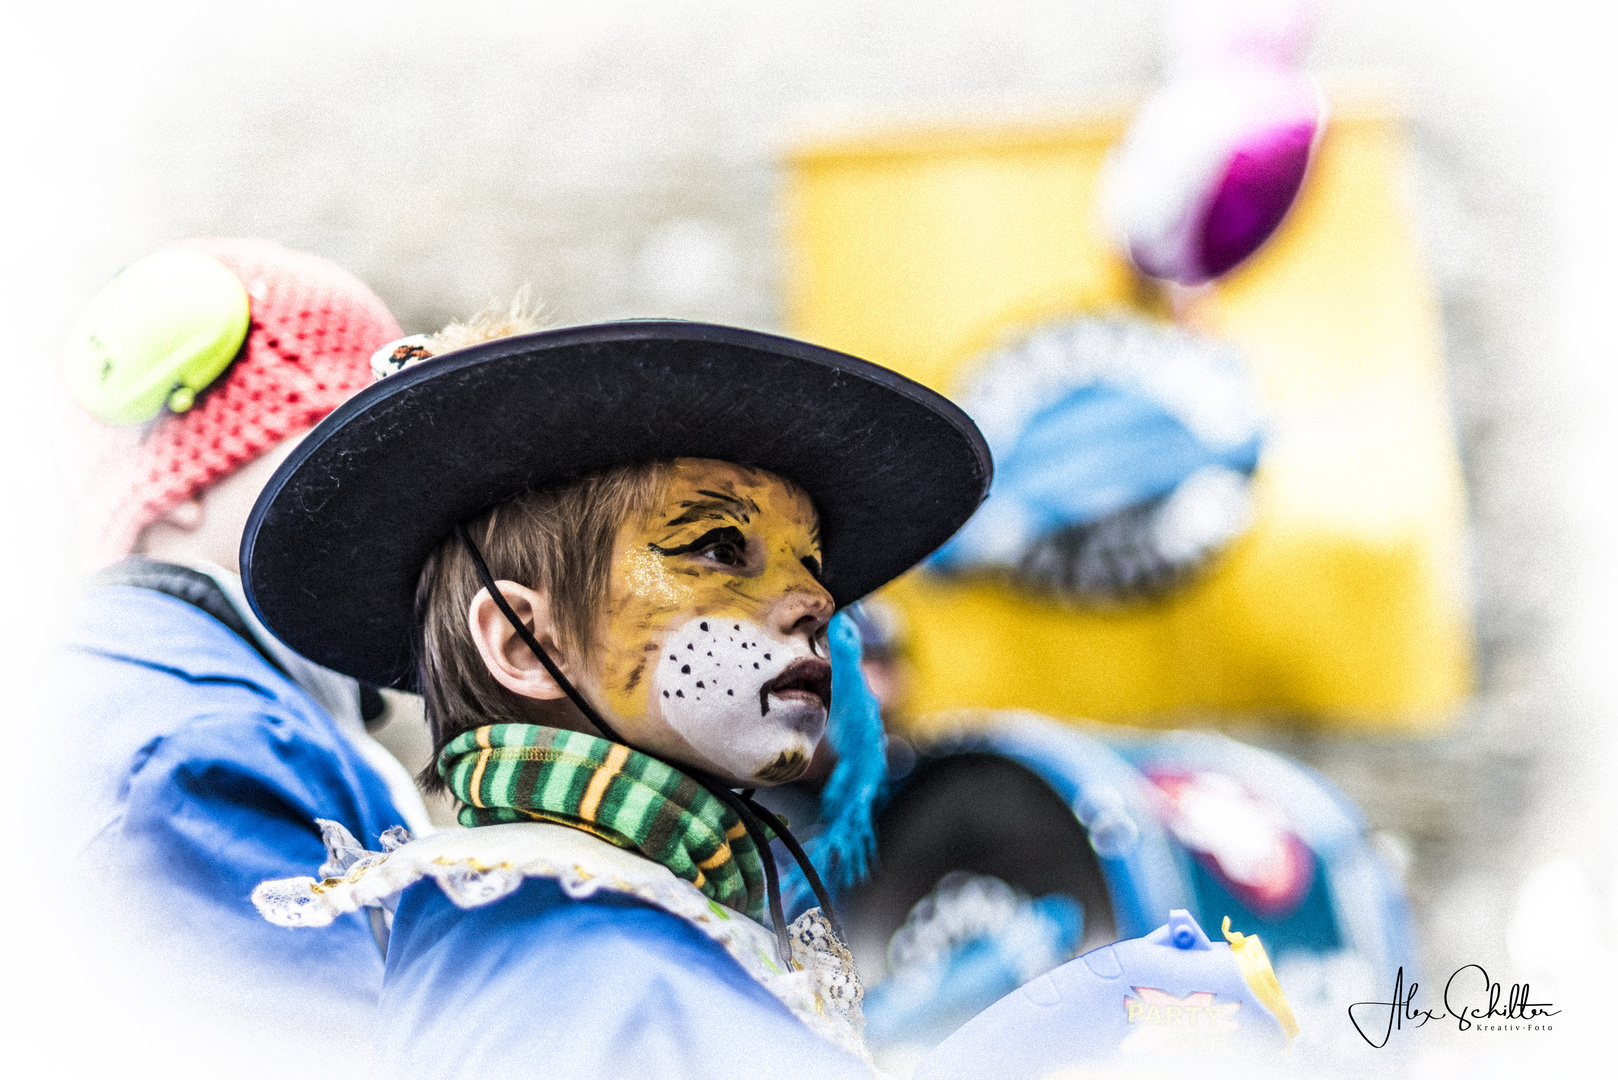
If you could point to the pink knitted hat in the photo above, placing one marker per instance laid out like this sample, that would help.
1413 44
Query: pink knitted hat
314 327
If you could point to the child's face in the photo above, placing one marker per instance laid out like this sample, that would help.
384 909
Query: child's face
713 638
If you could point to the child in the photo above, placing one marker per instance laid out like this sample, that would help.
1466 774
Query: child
609 557
204 749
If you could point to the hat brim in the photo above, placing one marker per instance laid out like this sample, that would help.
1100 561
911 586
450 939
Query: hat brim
333 548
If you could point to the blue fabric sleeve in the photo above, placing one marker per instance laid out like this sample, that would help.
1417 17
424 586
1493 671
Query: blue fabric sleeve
217 807
541 985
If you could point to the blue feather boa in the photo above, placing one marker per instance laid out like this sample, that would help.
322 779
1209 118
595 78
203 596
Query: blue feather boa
844 850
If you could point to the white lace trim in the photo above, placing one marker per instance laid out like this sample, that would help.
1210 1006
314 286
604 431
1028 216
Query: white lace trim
479 866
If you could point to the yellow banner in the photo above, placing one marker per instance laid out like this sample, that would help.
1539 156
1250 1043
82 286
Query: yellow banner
1346 603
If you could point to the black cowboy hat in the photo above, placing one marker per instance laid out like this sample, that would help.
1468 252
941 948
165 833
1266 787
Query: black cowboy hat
336 542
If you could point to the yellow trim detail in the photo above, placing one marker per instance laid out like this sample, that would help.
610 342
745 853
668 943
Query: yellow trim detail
1254 964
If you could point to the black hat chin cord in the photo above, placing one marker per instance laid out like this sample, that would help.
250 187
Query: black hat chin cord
528 638
779 826
743 805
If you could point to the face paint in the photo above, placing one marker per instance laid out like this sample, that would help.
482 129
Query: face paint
712 642
753 705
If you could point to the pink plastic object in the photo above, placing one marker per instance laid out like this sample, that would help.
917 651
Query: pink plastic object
1239 837
1216 158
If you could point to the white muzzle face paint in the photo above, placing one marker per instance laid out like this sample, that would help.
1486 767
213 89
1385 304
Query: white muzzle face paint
751 704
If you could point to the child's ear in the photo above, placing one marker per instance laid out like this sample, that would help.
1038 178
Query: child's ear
504 653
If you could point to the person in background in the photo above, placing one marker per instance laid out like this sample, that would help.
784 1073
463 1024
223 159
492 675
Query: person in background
205 751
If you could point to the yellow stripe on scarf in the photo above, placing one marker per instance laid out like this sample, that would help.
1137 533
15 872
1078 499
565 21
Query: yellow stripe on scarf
483 763
718 858
598 783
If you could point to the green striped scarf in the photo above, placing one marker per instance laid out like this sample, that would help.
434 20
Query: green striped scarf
523 772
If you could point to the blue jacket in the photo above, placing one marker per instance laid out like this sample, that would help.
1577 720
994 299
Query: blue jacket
198 769
538 984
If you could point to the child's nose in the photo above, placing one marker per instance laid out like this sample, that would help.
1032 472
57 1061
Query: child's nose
805 609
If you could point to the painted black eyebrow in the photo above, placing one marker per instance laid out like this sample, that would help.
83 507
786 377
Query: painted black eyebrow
729 534
741 504
708 510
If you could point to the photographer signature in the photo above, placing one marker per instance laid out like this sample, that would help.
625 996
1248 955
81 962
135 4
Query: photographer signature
1402 1010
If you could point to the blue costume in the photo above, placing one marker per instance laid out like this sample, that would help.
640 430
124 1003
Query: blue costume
201 769
614 987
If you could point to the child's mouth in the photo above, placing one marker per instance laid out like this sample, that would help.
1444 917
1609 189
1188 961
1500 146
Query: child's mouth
803 680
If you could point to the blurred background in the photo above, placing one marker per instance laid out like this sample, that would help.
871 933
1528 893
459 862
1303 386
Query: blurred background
679 158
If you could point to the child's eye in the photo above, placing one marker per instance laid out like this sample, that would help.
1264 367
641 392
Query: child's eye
726 553
811 564
725 546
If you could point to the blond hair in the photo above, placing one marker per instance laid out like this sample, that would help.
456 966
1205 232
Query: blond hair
522 316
